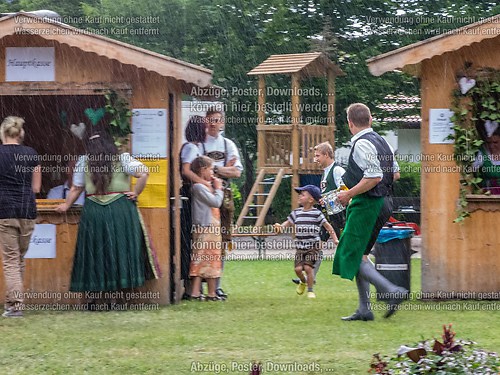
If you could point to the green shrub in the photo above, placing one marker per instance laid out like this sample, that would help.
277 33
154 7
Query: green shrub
281 205
238 200
409 183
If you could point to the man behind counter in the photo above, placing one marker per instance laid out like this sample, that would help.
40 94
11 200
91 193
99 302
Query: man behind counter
60 191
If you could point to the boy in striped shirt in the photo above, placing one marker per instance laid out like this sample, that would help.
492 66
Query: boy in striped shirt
307 222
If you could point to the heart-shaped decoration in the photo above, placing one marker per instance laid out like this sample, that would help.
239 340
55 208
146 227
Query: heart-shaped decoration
95 115
78 130
491 127
466 84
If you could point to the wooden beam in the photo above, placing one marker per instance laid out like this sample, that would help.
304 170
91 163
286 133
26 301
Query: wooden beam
331 98
295 136
270 197
54 88
438 45
261 139
177 134
331 107
261 120
251 195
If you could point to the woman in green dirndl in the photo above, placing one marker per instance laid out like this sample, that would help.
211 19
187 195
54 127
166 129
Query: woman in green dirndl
113 251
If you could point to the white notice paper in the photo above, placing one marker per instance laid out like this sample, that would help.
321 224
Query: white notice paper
440 126
149 137
29 64
43 242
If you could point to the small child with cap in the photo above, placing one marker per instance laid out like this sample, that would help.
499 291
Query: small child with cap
307 221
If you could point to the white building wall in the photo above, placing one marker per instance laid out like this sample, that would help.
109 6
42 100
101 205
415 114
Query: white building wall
409 145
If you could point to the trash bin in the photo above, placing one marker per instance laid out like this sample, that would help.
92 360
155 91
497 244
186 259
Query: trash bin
392 256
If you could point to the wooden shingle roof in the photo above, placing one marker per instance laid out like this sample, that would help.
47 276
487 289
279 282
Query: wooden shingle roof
313 64
408 58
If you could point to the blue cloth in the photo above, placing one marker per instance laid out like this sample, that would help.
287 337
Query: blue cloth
61 191
388 234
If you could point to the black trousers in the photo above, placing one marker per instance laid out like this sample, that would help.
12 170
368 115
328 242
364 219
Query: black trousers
337 221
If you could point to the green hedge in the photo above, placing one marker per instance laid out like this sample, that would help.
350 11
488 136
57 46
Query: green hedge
409 183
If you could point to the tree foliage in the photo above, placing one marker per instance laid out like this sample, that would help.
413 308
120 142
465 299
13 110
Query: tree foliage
233 36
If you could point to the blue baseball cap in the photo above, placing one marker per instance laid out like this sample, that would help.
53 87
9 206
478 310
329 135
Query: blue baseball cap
311 189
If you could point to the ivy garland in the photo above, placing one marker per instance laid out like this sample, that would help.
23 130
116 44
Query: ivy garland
475 102
118 110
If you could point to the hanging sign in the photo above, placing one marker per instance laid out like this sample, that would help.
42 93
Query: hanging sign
31 64
440 126
149 133
43 242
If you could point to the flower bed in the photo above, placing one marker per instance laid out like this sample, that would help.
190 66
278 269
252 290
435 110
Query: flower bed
450 356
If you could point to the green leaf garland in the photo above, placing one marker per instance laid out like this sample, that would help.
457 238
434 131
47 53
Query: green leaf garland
471 110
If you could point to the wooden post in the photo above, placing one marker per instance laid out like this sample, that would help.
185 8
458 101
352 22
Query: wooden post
261 120
295 136
331 107
261 136
177 199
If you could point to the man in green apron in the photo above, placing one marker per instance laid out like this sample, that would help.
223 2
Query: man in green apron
371 170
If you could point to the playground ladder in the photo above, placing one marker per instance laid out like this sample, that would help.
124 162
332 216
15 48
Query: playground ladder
255 194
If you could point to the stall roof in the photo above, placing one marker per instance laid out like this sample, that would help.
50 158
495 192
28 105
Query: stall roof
314 64
409 58
24 23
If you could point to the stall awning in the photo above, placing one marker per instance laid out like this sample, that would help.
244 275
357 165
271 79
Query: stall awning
23 23
409 58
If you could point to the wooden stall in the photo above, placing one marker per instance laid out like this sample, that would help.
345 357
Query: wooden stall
459 260
67 73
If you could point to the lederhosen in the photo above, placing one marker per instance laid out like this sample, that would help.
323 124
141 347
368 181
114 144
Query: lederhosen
338 220
367 213
227 207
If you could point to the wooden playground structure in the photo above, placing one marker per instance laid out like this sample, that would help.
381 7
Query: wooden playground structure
288 149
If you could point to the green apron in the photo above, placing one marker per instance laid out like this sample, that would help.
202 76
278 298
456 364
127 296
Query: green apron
362 214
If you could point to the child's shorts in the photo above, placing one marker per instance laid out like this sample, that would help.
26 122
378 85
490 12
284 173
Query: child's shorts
309 257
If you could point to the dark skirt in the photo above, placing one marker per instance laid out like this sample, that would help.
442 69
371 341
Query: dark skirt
111 249
186 224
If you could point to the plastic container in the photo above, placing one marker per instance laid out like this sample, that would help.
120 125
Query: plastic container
393 256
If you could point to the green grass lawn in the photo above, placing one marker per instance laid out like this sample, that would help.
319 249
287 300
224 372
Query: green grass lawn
263 320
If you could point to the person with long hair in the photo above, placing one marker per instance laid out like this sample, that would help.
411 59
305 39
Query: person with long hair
20 180
196 133
227 166
112 248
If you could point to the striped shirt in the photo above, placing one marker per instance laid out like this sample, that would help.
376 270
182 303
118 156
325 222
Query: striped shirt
307 227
